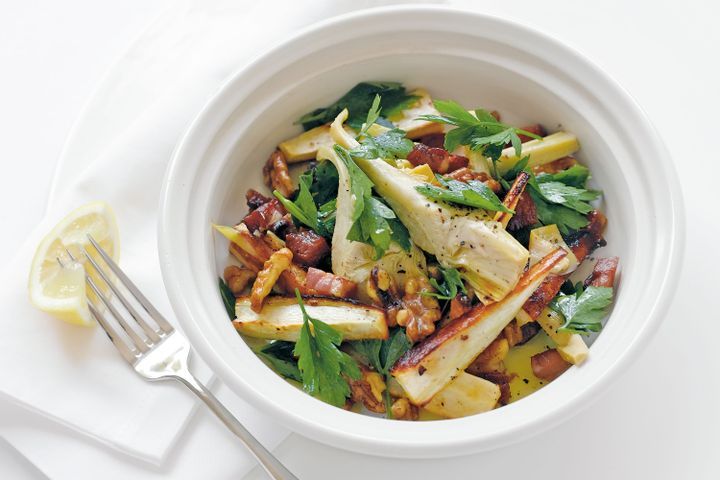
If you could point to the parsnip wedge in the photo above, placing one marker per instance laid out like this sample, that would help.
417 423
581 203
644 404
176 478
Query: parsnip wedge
429 366
466 395
570 346
550 148
512 197
547 238
305 146
575 351
281 318
407 119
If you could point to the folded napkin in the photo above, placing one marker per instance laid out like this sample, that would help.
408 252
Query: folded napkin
73 375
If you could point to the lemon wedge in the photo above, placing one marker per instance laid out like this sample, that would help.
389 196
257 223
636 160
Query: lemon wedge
61 290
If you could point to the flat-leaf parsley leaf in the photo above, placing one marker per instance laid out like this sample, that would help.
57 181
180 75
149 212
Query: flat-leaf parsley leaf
322 365
388 145
228 298
471 194
279 354
305 210
374 223
451 284
584 310
382 355
358 101
480 131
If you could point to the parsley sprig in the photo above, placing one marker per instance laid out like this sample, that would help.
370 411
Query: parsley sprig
318 184
372 116
279 354
584 310
561 194
451 284
560 198
388 145
358 101
373 222
481 132
228 298
471 194
323 180
382 355
323 367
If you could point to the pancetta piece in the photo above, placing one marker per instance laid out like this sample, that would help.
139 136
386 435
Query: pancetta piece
525 213
466 174
328 284
264 216
438 159
603 274
308 247
548 365
582 244
255 199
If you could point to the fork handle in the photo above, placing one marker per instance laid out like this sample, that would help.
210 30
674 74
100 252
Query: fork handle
267 460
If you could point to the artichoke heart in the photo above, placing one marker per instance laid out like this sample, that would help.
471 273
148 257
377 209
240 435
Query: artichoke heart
488 258
351 259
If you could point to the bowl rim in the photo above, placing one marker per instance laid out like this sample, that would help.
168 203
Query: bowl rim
445 447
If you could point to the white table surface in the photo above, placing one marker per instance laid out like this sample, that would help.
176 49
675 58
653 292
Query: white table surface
660 420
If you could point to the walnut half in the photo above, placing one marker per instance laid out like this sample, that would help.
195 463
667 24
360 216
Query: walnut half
237 278
368 390
411 309
402 409
277 175
266 278
420 311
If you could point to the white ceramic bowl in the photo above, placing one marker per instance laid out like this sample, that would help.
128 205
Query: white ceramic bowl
479 61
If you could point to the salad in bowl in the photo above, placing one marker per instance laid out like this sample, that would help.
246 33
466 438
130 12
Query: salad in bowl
414 258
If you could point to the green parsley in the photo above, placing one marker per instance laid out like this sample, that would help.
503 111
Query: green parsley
322 365
358 101
323 180
372 116
382 355
471 194
388 145
373 222
584 310
481 132
304 209
279 355
228 298
519 166
575 176
450 286
565 218
571 197
378 226
560 198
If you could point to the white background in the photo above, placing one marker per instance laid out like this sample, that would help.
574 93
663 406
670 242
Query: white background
659 421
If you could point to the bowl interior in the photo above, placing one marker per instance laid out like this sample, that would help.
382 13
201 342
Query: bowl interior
478 61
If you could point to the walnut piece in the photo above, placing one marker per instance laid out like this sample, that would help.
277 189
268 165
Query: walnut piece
276 174
420 311
368 390
402 409
237 278
277 263
411 309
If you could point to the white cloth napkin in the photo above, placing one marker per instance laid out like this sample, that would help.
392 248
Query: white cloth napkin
74 375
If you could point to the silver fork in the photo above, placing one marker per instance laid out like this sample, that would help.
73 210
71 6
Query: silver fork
160 352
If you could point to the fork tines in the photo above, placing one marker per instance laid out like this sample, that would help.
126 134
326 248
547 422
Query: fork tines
137 335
